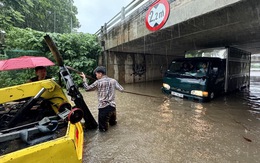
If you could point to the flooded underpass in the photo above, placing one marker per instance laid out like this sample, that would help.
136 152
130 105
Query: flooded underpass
166 129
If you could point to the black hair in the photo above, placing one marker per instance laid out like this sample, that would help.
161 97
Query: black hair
39 68
100 69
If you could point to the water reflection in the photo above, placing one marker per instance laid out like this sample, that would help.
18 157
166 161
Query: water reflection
165 111
168 129
198 107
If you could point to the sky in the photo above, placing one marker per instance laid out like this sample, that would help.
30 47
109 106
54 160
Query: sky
92 14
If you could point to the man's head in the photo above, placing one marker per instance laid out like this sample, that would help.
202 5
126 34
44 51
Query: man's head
41 72
100 71
204 65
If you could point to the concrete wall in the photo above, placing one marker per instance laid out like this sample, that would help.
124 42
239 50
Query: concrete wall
133 68
183 10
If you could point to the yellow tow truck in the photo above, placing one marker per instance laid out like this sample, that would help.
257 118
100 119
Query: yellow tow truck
38 123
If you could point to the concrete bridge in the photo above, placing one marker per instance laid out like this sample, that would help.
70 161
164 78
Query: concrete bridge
134 53
255 58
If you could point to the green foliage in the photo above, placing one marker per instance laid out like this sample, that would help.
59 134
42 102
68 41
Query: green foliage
15 77
8 15
42 15
78 50
26 39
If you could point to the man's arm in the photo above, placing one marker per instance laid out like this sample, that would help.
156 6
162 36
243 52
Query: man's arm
119 87
85 83
89 87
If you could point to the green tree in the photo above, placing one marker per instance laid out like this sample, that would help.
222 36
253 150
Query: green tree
78 50
9 16
41 15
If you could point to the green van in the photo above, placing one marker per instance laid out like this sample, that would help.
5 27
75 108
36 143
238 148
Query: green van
204 74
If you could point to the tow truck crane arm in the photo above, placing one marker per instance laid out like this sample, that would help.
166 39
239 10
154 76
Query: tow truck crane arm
90 122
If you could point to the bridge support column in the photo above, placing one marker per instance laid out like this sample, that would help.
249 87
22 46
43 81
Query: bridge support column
134 67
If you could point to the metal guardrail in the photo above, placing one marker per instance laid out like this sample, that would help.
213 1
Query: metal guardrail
136 7
126 11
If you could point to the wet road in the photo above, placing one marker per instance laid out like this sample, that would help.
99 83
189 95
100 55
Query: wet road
168 129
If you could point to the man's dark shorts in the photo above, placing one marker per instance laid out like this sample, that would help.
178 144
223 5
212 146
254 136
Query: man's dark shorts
106 116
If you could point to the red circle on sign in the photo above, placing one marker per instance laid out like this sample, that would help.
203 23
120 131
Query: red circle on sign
157 15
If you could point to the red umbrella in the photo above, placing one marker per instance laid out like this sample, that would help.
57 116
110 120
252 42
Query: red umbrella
24 62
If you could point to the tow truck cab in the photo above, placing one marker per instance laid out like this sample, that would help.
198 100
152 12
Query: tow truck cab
34 126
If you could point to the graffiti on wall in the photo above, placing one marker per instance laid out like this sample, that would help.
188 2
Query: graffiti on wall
139 65
139 69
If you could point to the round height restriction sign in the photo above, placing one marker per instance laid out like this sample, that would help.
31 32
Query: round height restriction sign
157 15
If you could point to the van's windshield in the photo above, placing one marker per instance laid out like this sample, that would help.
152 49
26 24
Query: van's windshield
189 68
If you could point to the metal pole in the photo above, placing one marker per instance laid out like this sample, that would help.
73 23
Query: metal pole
122 14
70 16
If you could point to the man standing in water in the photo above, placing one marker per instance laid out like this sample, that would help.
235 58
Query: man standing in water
106 97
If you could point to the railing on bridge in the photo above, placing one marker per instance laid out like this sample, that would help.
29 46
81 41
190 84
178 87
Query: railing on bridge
125 11
136 7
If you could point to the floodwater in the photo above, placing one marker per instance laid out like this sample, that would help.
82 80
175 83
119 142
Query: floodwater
166 129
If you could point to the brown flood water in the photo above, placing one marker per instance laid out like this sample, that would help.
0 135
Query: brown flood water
168 129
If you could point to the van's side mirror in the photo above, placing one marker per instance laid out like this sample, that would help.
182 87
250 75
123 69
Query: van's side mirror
214 71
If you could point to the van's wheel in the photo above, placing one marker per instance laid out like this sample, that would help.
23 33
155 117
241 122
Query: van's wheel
211 95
